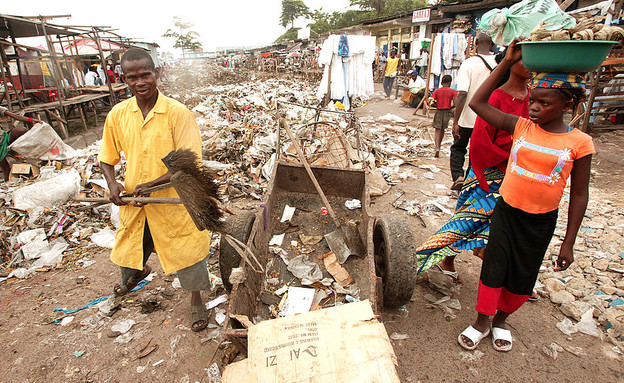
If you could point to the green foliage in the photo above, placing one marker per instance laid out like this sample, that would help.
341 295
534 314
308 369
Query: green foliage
388 7
290 35
325 22
370 5
184 37
291 10
392 7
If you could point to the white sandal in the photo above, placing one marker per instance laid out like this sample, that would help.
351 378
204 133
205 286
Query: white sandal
474 335
501 334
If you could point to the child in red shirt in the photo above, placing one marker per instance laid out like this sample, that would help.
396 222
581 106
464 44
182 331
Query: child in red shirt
443 97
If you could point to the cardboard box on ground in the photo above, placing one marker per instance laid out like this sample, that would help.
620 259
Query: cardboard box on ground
338 344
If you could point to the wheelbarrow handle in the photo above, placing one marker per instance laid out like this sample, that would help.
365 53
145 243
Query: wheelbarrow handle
309 170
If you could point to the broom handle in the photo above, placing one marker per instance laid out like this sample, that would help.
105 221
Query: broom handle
147 191
312 176
130 199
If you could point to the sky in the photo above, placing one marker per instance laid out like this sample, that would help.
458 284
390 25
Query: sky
219 23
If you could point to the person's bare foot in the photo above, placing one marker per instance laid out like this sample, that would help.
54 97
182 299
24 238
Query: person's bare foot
499 322
481 325
447 266
199 316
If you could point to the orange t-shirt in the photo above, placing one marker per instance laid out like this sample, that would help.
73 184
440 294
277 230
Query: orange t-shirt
539 165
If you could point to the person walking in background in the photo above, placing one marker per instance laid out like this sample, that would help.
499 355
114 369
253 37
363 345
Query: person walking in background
470 76
391 71
469 227
443 97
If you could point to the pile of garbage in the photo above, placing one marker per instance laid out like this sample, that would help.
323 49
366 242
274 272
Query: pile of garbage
38 229
592 288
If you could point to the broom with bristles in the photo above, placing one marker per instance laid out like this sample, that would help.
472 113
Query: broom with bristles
196 187
199 193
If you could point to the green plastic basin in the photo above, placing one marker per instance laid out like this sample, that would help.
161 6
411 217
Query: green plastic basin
565 56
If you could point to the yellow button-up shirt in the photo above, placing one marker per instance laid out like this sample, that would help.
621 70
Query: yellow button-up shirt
168 126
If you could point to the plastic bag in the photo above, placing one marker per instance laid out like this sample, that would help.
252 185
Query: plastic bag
48 193
307 271
42 142
104 238
520 19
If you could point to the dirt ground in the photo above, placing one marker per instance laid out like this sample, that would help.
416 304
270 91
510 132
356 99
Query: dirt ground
37 350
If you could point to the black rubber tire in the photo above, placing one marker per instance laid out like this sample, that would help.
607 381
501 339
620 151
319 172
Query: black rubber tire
395 259
239 228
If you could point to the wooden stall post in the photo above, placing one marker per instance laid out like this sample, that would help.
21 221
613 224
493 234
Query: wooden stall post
19 69
426 96
77 54
96 37
60 88
7 96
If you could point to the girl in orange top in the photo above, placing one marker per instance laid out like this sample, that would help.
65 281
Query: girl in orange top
544 154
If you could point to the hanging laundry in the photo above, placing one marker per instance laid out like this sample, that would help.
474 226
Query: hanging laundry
351 75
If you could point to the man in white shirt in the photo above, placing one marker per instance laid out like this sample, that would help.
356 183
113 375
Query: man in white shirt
92 78
470 76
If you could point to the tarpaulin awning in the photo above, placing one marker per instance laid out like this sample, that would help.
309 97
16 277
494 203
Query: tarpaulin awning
89 47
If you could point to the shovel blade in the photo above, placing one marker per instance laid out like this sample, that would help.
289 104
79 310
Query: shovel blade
337 244
345 244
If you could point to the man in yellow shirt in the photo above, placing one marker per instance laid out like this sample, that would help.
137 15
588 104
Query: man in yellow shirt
146 128
391 71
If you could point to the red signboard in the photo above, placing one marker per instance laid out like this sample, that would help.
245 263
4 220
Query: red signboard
421 15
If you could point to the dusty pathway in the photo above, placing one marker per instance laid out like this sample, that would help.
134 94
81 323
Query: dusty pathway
86 350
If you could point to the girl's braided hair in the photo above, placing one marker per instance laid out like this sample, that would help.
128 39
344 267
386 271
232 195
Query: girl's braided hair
576 95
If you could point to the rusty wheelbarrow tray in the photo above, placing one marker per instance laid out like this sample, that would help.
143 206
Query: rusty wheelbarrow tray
385 274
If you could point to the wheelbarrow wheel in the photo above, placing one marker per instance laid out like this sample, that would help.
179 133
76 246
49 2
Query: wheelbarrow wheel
239 228
395 260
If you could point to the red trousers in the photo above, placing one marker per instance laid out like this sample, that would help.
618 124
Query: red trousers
492 299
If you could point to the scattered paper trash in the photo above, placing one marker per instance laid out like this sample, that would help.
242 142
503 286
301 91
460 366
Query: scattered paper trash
78 354
123 326
389 117
217 301
299 300
277 240
220 316
67 320
398 336
353 204
287 214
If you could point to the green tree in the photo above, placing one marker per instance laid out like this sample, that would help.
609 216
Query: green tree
185 38
370 5
388 7
291 10
392 7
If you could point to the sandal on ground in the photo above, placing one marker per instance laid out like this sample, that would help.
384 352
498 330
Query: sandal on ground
533 297
453 274
457 184
199 319
132 282
501 334
474 335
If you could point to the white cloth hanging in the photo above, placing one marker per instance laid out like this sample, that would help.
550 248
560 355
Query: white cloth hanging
358 79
